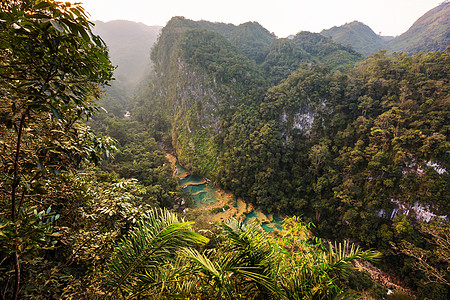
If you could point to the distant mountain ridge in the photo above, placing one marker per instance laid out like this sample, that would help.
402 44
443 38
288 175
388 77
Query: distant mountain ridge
129 46
430 33
210 79
126 37
360 36
250 38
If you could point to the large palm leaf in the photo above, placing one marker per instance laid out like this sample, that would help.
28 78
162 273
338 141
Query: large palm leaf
212 274
151 246
309 269
241 266
340 256
250 256
174 280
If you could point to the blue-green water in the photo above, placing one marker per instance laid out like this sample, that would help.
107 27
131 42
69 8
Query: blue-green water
251 215
179 169
276 224
204 197
267 227
201 193
205 194
191 179
192 189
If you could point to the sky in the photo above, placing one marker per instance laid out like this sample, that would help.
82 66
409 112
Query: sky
282 17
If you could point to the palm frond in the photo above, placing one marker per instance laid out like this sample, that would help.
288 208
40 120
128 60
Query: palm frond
203 263
250 257
212 273
248 242
172 280
340 255
150 245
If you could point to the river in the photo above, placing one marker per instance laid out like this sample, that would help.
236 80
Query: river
217 204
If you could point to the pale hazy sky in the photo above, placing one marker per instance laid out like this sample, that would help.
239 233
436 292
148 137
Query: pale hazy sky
283 17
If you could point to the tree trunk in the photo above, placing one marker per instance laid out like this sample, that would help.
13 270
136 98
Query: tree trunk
14 216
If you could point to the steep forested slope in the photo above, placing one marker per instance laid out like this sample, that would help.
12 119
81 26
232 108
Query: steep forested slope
205 84
302 132
201 79
225 125
431 32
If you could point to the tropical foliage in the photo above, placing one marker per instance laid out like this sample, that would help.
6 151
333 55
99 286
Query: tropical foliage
50 67
155 261
346 147
295 126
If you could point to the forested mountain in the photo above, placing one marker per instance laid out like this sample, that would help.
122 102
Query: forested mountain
430 33
303 132
342 149
203 80
358 35
286 55
250 38
129 45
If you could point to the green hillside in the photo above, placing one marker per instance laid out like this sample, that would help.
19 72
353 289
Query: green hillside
250 38
206 84
358 35
429 33
306 131
286 55
253 40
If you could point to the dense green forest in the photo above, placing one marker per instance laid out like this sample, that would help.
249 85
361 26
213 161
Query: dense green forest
358 35
84 216
361 151
303 127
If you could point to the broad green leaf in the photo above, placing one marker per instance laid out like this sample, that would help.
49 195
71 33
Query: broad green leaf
41 16
102 58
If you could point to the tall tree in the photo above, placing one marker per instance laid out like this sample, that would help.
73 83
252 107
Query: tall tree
50 68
